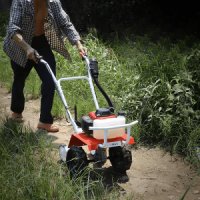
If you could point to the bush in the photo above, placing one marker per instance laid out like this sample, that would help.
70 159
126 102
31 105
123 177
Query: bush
155 82
162 85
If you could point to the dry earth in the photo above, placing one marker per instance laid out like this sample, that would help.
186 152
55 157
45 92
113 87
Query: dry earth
154 174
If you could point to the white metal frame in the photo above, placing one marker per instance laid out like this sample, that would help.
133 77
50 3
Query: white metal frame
62 96
105 129
69 116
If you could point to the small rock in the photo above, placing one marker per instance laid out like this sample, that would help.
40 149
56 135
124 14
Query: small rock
196 192
171 197
122 192
173 159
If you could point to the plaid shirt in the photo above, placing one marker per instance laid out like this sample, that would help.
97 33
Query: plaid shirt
57 26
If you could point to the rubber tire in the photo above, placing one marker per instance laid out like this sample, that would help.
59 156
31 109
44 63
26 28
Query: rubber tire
120 158
76 161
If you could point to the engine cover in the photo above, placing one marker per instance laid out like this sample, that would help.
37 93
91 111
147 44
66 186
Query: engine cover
87 121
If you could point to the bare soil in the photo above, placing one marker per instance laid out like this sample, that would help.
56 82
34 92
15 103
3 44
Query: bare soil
154 174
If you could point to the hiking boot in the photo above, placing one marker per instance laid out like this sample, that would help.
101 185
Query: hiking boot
48 127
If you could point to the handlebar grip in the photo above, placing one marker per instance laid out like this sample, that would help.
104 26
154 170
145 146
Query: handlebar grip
37 56
83 55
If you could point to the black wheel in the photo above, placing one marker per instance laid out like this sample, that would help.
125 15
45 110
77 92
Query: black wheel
76 161
120 158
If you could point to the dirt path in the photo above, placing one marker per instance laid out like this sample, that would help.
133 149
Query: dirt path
154 174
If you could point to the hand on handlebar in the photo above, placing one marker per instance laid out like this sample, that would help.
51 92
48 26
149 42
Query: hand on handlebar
32 54
82 50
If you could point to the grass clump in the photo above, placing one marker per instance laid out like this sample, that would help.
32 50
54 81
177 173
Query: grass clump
29 169
163 91
156 82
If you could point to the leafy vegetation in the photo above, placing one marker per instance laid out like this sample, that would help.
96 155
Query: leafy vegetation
170 18
155 81
29 169
164 95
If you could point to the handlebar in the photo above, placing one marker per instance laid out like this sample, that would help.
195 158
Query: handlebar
83 55
39 57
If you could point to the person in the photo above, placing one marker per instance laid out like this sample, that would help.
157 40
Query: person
36 27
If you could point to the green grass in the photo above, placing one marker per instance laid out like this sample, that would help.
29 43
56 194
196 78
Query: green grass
161 89
156 82
29 169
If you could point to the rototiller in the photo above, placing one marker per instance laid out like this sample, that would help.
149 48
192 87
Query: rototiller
105 133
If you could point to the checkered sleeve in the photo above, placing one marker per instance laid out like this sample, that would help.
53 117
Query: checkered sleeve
65 24
15 22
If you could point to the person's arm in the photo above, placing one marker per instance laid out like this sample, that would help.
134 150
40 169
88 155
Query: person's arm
67 27
15 21
30 52
80 47
14 29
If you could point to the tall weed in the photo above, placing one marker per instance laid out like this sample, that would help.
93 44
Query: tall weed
163 91
156 82
29 169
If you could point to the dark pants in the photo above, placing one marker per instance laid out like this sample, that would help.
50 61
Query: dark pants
47 87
